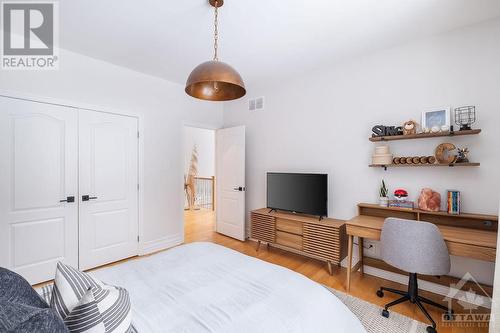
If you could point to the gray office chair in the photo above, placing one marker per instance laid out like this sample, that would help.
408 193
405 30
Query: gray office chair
414 247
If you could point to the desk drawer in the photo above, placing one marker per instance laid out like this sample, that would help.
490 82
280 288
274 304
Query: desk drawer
289 226
471 251
290 240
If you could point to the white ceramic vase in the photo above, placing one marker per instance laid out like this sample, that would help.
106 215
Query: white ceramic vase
383 201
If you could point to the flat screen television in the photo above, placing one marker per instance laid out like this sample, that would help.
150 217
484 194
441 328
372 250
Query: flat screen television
305 193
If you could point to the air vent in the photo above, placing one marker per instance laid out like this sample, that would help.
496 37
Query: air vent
256 104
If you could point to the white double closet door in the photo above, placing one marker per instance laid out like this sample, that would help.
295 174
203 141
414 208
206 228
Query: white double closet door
49 155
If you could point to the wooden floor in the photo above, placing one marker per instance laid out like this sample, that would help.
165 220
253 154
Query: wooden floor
200 226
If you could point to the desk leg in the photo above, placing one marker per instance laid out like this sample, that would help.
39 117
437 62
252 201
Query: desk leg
360 252
349 261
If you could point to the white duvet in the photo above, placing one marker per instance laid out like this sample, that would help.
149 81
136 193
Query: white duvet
203 287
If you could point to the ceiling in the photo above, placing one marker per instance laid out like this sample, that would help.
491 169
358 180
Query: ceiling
265 40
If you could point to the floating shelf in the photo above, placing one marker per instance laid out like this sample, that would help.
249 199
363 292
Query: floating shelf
424 135
424 165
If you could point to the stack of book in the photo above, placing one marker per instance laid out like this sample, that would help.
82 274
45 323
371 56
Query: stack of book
453 198
401 204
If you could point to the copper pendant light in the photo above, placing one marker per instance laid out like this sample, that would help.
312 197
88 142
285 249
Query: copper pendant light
215 80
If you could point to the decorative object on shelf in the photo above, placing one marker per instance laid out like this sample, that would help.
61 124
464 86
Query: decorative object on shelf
381 130
465 116
400 194
429 200
382 156
436 119
444 128
215 80
453 197
462 155
410 127
384 199
189 179
435 129
426 130
414 160
402 204
444 154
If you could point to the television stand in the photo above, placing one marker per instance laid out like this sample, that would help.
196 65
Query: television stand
272 210
323 239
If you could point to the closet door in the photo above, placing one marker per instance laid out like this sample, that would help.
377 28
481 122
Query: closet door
108 188
38 170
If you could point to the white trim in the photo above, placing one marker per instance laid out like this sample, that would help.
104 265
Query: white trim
422 285
84 106
427 286
160 244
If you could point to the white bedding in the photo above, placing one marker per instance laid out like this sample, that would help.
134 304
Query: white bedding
203 287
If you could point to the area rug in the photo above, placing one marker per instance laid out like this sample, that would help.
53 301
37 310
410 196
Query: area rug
371 318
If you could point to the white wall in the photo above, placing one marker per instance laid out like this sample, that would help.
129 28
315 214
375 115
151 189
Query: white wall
164 107
322 121
495 309
204 139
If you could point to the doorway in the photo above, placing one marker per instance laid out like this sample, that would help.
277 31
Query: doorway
199 181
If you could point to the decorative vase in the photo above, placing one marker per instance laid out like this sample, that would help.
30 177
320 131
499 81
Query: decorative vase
383 201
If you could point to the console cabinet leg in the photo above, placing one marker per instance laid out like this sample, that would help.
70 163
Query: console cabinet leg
330 269
258 246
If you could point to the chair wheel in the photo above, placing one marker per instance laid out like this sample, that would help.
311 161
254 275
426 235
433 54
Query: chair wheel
431 329
380 293
385 313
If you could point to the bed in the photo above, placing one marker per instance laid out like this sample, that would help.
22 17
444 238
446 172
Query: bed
204 287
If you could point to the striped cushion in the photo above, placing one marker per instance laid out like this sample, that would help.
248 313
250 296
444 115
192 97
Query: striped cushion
85 317
70 285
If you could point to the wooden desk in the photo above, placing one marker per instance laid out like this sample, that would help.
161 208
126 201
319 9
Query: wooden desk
461 241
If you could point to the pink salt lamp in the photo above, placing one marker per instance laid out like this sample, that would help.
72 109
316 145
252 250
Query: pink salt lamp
429 200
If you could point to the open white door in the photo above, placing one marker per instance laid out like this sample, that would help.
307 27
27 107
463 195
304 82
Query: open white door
108 188
230 176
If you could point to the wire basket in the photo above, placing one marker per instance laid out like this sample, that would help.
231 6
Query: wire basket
465 116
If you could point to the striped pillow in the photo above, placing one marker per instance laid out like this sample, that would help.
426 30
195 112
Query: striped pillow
85 317
70 285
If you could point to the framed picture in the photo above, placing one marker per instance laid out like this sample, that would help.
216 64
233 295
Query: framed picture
439 117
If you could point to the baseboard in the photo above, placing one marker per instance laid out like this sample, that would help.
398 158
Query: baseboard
431 287
160 244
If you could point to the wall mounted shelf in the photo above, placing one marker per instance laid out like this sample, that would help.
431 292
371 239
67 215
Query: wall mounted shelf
424 135
424 165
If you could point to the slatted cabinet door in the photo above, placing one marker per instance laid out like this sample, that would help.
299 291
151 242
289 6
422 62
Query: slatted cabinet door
263 227
323 241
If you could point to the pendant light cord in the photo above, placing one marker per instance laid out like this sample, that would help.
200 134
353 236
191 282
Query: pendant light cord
216 31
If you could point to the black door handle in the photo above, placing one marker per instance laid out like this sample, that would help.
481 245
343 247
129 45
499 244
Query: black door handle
87 198
240 189
68 199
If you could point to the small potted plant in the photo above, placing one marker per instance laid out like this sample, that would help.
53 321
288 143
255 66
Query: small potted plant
384 199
